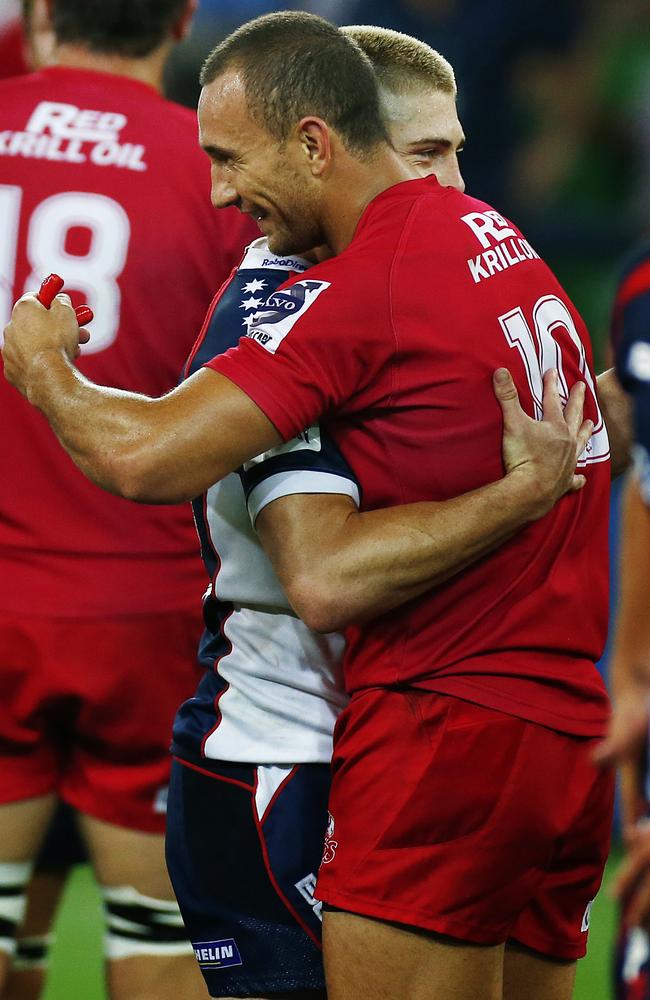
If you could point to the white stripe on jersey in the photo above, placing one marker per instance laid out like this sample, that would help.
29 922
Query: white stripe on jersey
284 694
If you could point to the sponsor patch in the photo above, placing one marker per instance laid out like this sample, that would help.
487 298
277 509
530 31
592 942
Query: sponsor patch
290 263
586 916
280 312
66 133
217 954
488 227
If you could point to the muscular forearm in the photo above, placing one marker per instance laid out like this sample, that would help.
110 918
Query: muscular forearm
631 656
99 427
630 662
151 450
617 414
344 568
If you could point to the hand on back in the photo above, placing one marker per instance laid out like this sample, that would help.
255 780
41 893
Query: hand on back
546 451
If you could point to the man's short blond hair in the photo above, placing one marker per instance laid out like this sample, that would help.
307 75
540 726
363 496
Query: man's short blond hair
401 62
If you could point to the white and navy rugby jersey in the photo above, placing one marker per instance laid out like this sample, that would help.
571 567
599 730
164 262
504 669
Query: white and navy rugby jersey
631 337
272 688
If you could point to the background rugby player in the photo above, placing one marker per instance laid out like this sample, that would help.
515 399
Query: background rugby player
630 666
101 179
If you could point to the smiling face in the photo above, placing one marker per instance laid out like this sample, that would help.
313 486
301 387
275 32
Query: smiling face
274 183
270 181
424 128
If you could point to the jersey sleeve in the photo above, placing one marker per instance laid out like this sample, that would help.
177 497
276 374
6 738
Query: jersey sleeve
631 336
309 463
307 353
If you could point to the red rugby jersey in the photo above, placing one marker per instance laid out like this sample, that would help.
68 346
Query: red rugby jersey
392 345
103 182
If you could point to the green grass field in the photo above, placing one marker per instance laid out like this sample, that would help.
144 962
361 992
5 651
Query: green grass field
77 973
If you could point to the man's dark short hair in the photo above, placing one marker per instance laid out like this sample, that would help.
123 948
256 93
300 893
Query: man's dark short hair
132 28
296 64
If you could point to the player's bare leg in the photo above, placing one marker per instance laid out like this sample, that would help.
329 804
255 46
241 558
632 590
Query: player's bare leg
530 976
372 960
22 828
135 862
26 982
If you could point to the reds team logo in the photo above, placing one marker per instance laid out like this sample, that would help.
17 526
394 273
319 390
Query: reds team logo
329 850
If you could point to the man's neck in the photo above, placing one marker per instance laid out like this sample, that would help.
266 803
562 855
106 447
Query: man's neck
350 196
148 69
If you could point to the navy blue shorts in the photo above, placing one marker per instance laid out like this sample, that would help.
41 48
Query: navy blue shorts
244 843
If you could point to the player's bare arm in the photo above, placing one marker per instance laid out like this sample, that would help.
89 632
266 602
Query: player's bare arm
632 884
617 412
339 566
630 678
151 450
630 667
155 450
170 449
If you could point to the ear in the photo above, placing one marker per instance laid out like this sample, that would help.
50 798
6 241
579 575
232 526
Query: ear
316 143
182 27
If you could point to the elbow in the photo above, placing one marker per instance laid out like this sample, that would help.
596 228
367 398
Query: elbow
122 476
319 603
130 474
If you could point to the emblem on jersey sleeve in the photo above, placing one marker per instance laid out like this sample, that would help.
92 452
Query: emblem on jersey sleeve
281 311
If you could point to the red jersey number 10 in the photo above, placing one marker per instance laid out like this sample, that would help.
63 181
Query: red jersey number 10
554 336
